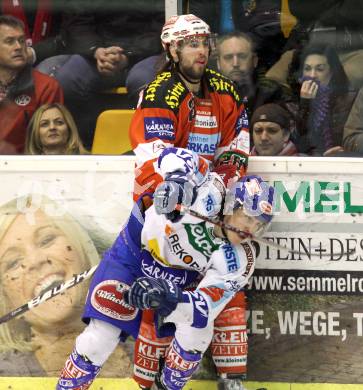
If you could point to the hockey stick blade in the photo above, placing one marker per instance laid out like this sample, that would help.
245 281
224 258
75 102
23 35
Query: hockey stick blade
264 241
78 278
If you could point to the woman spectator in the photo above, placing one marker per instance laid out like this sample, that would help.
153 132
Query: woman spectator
321 99
52 130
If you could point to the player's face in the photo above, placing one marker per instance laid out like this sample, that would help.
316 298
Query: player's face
269 138
243 222
193 54
12 48
35 257
236 60
53 129
317 67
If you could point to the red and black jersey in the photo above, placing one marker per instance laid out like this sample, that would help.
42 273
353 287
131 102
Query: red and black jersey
168 114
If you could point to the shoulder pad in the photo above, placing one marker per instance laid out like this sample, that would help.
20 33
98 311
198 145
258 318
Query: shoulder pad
218 83
164 92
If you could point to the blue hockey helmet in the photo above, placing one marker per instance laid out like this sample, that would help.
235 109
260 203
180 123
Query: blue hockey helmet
254 195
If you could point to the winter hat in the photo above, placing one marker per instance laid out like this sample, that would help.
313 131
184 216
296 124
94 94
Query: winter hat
272 112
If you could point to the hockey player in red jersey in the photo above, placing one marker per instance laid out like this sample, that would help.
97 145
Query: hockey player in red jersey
187 105
193 107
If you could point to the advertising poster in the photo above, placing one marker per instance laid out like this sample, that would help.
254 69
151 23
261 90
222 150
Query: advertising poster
56 220
58 216
306 316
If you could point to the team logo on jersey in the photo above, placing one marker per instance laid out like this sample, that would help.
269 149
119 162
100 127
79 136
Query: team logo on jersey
22 100
107 298
162 128
199 239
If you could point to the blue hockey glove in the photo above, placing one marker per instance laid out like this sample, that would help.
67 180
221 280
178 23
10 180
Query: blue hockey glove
175 190
149 293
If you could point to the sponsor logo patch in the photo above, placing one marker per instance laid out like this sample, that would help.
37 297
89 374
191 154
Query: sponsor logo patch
231 258
178 249
205 122
150 268
107 298
162 128
200 240
203 143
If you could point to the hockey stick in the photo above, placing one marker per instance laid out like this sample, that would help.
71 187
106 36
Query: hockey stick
243 234
78 278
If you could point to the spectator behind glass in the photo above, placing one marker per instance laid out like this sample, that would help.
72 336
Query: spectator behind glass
237 60
39 249
353 129
42 21
22 89
52 130
271 130
322 100
259 22
105 39
326 22
259 18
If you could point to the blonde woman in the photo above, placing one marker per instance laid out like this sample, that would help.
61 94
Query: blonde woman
52 130
38 251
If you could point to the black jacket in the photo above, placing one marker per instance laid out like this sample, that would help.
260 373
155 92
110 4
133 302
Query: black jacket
133 25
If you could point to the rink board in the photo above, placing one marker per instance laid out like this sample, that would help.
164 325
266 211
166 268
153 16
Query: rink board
128 384
79 183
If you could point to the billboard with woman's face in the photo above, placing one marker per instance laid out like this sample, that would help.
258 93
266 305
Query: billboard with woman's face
46 239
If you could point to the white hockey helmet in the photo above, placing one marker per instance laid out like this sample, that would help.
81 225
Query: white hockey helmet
178 27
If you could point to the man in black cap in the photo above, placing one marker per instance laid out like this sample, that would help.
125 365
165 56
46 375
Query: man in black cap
271 130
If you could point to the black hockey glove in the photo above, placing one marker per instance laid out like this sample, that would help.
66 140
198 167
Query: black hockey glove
149 293
173 191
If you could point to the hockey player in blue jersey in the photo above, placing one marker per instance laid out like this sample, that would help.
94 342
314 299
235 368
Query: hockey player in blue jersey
158 254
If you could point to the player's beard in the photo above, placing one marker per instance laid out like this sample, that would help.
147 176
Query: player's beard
192 72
